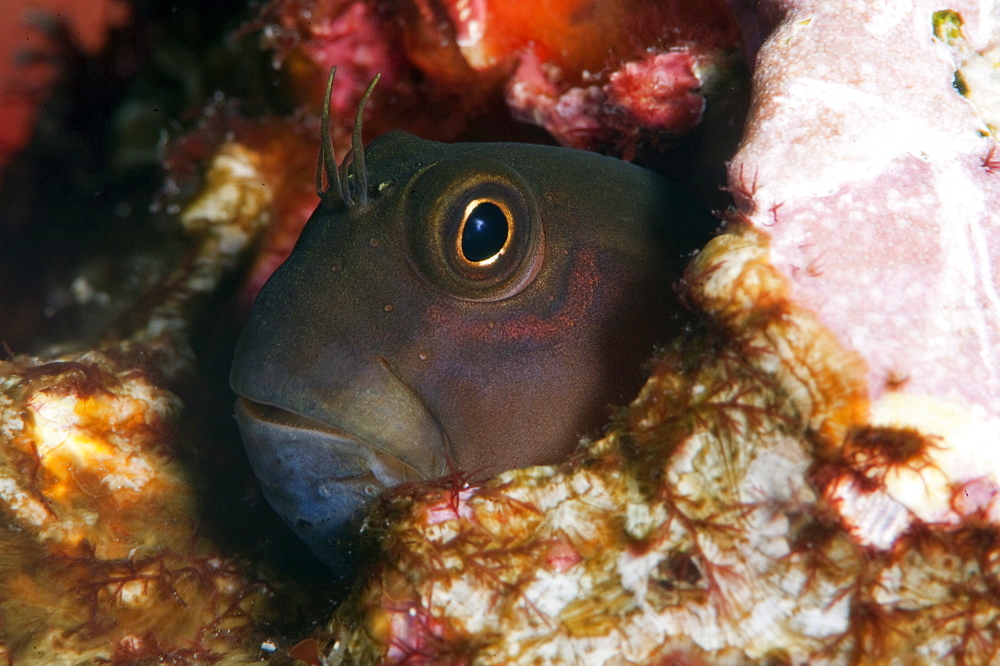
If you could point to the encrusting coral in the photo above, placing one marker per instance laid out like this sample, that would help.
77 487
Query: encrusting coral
103 558
808 476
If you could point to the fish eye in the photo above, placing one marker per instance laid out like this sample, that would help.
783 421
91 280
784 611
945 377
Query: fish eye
484 234
474 229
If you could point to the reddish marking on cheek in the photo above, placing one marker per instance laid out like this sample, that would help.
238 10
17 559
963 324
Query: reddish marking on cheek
580 294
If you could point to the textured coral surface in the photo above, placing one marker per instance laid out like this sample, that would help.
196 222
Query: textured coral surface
809 475
105 470
869 170
101 554
871 177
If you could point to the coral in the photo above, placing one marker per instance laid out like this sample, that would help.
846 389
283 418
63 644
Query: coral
101 512
809 475
102 557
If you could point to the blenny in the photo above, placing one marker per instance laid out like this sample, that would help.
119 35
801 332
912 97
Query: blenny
469 307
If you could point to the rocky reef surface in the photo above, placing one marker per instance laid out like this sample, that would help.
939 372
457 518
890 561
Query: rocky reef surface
809 475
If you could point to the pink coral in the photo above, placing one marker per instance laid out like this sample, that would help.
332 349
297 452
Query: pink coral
659 92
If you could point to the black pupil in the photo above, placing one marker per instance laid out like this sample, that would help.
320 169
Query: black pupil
485 232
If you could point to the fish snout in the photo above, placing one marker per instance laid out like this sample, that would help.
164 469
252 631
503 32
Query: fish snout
320 472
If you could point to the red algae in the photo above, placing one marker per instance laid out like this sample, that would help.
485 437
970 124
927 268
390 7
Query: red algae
102 559
24 73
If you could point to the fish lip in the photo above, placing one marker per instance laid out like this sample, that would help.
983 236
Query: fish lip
394 470
319 478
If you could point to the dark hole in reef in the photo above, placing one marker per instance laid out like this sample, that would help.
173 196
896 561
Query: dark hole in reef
960 85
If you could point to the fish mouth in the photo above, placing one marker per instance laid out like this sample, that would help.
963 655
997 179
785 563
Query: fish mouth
318 477
386 468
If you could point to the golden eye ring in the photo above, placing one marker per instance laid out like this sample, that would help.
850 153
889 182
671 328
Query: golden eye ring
446 201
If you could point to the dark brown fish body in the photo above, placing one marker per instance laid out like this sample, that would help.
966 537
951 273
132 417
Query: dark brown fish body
479 311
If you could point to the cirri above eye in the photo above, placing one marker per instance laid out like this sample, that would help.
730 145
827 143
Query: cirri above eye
484 232
490 302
